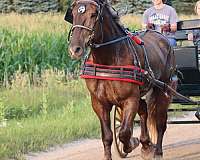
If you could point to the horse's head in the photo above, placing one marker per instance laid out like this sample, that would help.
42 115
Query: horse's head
85 15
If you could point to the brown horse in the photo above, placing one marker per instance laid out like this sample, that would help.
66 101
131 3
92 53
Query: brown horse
95 22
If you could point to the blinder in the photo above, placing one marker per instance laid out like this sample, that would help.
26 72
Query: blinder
68 16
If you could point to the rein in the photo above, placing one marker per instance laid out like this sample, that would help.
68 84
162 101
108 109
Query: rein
98 45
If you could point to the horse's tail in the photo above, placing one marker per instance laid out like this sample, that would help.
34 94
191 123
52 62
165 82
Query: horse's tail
151 123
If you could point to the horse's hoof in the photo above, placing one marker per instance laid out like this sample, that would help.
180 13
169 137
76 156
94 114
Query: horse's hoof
107 156
134 143
158 157
148 153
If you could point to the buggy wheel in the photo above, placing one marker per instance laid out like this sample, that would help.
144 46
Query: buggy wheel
116 125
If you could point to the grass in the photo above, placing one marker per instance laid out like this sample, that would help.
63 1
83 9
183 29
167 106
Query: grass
40 104
51 22
38 117
41 132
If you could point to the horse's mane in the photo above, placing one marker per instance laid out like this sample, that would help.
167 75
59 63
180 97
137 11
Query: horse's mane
115 16
112 11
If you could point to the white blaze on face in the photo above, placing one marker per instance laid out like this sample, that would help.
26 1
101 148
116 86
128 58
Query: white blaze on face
81 9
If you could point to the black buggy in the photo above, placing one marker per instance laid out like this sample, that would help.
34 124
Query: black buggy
187 54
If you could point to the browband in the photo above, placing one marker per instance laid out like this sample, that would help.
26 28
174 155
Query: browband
68 16
86 1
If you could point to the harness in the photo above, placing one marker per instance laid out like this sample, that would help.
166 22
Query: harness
130 73
127 73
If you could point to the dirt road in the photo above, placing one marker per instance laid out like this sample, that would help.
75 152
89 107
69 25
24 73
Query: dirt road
181 142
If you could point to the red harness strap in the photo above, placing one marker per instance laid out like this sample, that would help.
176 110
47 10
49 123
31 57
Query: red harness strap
135 38
127 73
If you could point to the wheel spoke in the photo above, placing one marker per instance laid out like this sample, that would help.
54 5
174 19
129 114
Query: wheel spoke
121 148
117 125
117 136
118 142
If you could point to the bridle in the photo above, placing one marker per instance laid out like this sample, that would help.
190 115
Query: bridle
99 18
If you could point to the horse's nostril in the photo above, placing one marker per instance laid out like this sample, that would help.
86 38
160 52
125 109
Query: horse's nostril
77 50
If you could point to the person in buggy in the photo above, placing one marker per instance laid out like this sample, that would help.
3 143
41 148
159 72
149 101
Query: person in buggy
162 18
195 34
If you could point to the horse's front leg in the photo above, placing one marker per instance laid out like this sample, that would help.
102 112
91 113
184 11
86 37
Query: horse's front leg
129 110
103 113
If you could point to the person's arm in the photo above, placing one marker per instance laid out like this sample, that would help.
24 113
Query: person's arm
146 24
173 20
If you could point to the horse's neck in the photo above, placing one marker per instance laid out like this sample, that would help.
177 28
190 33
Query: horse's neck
110 54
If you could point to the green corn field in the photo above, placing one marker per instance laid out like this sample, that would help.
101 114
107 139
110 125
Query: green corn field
31 44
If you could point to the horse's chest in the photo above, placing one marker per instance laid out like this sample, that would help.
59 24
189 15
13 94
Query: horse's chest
111 91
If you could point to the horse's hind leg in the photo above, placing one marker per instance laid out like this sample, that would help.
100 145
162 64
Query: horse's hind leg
157 118
162 103
147 146
103 113
129 110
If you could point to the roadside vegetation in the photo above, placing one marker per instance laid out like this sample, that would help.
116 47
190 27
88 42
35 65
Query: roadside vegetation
33 118
42 101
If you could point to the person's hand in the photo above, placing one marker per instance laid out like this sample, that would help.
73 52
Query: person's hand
190 37
150 26
165 28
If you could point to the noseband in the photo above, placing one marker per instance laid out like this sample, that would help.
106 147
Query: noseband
80 26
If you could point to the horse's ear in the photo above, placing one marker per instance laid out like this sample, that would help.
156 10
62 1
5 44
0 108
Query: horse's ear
68 16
